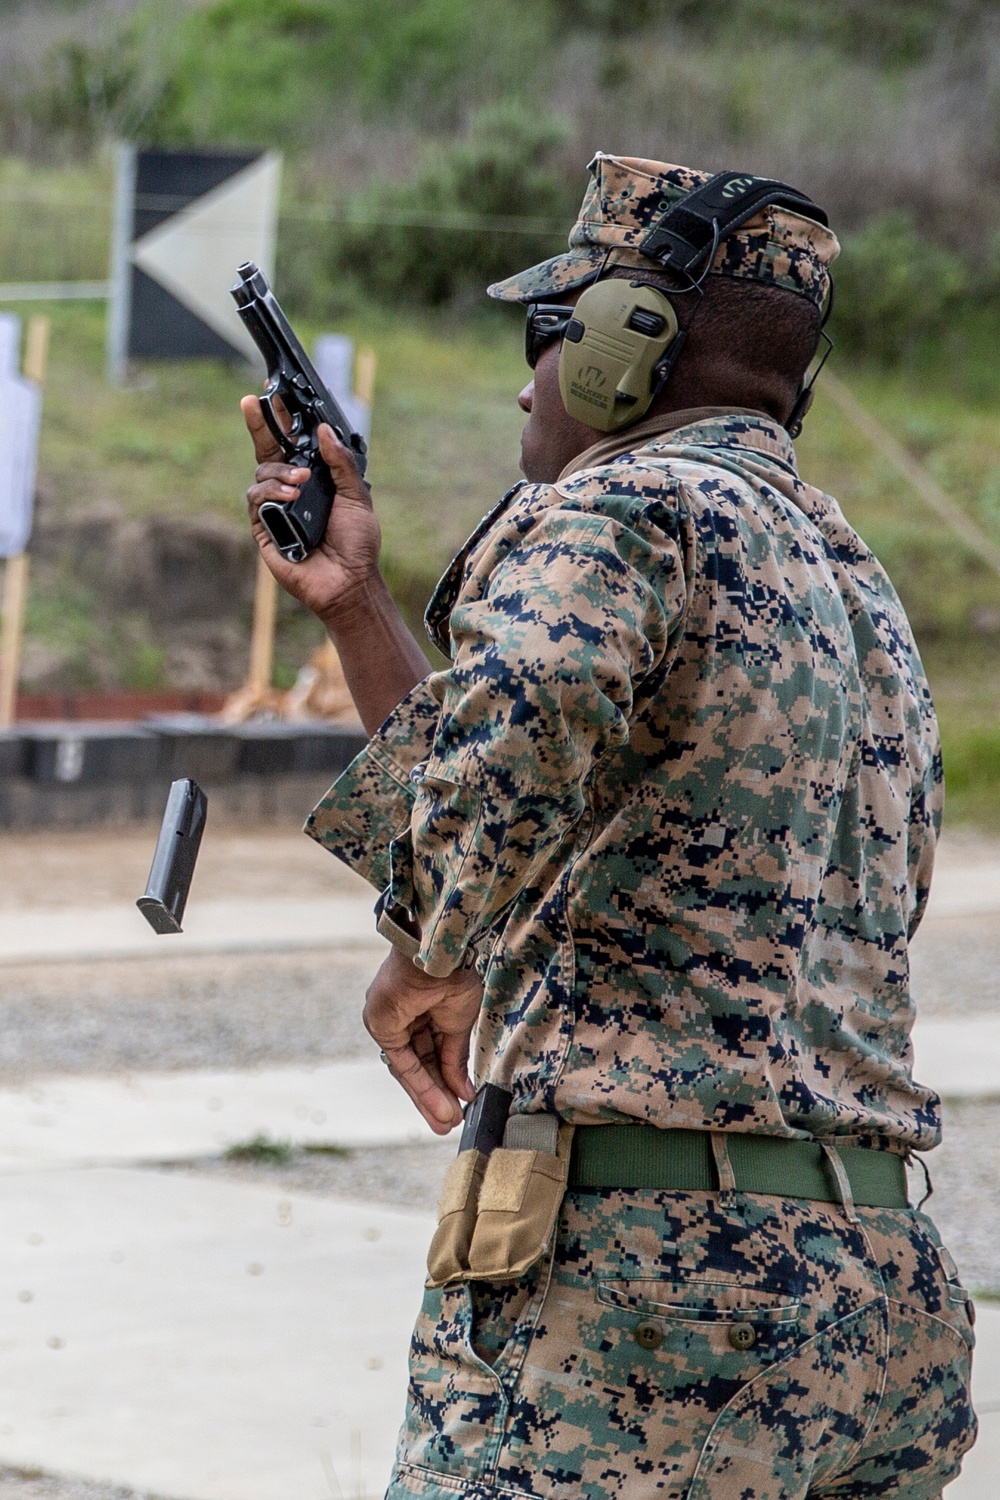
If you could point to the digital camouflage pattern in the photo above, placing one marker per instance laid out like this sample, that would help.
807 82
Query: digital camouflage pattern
627 195
698 1346
681 784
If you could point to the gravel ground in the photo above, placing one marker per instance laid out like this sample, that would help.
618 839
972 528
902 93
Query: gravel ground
397 1176
955 967
210 1010
58 868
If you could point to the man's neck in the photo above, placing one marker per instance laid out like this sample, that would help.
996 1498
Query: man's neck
616 443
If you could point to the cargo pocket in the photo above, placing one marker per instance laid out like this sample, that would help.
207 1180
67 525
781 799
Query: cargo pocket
721 1326
626 1377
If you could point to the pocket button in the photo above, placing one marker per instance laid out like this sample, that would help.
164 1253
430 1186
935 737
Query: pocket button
970 1312
648 1336
742 1336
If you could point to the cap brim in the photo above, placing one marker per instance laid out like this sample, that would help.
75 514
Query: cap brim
563 273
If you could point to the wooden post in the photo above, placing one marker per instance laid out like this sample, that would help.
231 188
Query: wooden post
15 590
255 696
36 349
364 376
265 613
15 582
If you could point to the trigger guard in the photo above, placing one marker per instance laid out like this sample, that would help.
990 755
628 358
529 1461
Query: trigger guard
281 437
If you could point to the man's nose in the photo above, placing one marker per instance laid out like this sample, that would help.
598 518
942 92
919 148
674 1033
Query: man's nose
526 397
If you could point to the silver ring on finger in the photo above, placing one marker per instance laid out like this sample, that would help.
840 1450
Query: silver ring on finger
384 1058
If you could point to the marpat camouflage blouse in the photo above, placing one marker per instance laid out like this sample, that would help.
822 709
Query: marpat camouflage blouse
680 786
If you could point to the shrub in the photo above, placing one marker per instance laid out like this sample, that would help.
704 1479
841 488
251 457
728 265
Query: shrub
895 288
401 247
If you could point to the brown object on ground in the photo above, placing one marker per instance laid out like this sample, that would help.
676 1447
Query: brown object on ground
321 690
257 698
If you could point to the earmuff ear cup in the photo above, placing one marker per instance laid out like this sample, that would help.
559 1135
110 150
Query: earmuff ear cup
608 362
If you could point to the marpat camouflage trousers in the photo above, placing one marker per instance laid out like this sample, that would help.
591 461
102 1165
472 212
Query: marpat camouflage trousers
698 1346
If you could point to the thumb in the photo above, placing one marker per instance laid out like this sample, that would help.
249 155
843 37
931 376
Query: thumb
267 449
343 466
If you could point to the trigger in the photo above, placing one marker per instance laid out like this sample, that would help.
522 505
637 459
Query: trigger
281 437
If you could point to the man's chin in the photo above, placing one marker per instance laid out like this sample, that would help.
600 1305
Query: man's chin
534 465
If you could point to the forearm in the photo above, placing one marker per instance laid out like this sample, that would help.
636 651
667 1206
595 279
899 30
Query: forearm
380 657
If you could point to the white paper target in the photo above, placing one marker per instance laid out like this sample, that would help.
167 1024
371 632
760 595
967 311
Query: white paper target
20 424
333 356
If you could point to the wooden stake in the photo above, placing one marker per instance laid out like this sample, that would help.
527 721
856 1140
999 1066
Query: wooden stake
15 593
364 376
15 582
36 349
265 613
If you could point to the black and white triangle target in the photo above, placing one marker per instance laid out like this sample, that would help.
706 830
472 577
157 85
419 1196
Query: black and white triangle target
184 221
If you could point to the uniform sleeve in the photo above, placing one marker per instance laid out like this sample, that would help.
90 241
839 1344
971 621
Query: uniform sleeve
544 669
372 801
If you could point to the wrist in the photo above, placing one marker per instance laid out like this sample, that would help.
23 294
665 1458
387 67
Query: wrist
355 609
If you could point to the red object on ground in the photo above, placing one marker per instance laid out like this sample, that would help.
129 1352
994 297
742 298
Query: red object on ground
124 705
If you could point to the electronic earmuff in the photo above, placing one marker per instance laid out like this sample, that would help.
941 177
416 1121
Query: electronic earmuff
617 352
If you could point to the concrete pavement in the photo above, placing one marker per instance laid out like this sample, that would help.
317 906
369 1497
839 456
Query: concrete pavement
964 890
202 1339
960 1059
150 1117
980 1477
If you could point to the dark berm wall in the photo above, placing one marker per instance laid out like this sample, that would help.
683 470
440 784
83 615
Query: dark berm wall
76 774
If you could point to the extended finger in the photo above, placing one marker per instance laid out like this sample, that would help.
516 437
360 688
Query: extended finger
286 473
439 1108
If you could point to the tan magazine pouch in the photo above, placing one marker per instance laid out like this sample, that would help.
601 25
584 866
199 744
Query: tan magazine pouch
498 1213
448 1256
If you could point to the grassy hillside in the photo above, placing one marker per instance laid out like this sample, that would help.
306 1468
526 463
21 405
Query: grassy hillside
444 446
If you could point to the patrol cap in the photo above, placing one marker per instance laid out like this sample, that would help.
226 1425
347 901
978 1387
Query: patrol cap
628 195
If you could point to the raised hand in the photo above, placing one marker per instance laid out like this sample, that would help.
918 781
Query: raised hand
338 572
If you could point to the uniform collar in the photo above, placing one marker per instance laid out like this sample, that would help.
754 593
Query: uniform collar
696 427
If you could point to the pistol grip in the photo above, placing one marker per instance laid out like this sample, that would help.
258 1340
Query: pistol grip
298 528
315 501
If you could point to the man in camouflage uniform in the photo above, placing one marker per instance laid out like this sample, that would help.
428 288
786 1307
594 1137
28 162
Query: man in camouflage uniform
676 798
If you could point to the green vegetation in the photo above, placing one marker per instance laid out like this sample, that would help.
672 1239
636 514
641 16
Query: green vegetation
262 1151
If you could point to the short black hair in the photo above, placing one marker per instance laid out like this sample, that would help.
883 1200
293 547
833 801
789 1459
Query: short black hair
749 344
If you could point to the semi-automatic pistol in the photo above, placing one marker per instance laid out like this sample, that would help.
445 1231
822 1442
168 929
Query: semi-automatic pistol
296 529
